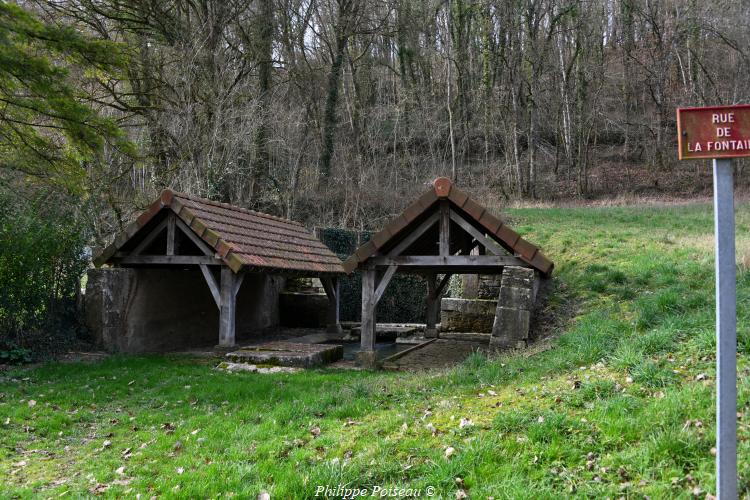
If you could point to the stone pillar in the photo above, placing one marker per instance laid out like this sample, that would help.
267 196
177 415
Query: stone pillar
108 291
518 289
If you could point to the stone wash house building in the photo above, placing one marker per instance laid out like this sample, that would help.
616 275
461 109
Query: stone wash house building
191 272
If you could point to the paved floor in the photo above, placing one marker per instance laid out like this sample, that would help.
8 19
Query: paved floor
441 353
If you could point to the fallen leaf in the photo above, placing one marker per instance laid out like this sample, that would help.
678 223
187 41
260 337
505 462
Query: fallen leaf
465 422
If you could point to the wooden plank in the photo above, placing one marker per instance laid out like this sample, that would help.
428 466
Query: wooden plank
194 238
367 336
487 243
449 261
331 286
227 308
238 283
443 283
171 234
433 308
445 228
150 237
414 235
176 260
327 286
384 280
212 285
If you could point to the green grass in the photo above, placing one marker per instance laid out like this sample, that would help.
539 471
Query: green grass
620 405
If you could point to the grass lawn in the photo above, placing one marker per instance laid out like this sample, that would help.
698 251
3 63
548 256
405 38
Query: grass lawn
621 405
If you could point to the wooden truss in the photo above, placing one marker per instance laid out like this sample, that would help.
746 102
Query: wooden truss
223 283
378 270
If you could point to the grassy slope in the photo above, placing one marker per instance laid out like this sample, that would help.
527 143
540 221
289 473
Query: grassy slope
614 408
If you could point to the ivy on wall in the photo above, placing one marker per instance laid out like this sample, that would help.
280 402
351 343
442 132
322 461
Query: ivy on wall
403 300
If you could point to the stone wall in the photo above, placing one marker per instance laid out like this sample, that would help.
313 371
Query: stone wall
519 286
303 304
154 309
467 315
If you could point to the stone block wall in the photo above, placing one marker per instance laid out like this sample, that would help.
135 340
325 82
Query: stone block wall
467 315
518 289
155 309
488 286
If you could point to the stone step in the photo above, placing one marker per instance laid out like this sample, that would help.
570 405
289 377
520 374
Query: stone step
470 336
288 354
390 331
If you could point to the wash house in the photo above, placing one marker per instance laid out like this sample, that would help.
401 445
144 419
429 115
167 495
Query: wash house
444 233
190 272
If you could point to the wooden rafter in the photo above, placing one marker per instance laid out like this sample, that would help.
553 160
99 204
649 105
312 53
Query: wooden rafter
486 242
149 238
414 235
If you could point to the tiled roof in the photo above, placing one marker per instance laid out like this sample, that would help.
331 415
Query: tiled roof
240 237
443 188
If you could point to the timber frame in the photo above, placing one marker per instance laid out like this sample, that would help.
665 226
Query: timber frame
438 236
180 231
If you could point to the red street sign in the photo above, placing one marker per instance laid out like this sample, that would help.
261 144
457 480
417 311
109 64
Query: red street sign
713 132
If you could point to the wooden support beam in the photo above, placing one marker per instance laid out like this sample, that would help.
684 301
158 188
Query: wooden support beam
440 289
212 285
238 283
171 234
202 245
414 235
367 356
150 237
433 306
227 308
331 286
449 261
176 260
383 283
486 242
445 228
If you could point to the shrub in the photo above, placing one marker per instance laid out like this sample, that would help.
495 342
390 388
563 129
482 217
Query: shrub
42 260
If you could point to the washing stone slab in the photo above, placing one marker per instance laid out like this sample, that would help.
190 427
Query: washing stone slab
288 354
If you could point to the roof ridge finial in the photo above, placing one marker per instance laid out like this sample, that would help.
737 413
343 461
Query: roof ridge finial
442 186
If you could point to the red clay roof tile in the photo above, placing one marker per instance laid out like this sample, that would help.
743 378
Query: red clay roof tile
444 188
241 237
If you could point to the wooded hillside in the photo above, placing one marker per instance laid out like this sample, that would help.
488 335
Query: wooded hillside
333 111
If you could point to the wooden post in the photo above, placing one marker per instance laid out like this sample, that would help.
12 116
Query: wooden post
433 303
445 229
227 308
366 355
171 234
331 286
